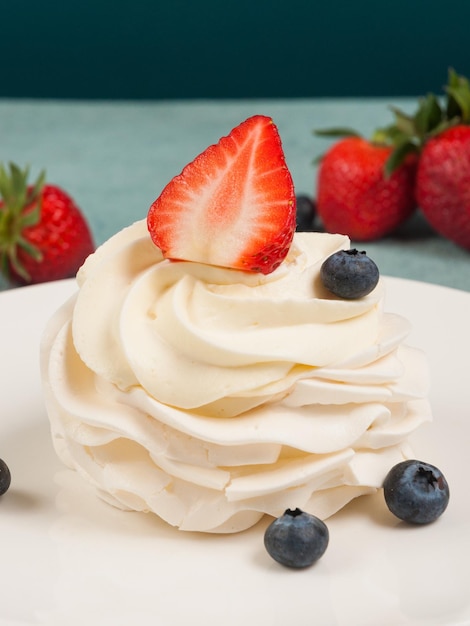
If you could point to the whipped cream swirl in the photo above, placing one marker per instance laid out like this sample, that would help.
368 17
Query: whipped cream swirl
212 396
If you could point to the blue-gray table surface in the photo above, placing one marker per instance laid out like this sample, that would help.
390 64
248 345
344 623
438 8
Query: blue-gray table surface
115 157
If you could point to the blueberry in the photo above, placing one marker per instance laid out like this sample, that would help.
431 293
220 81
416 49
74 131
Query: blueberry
416 492
296 539
5 477
349 274
305 215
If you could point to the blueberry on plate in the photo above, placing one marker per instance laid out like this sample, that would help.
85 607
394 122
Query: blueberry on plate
349 274
416 492
5 477
296 539
305 213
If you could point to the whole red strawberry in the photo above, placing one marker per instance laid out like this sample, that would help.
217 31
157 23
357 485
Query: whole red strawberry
355 197
443 183
43 234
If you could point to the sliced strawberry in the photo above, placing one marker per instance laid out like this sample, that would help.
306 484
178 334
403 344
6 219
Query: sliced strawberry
233 206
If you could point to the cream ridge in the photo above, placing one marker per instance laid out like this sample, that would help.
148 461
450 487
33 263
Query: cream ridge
211 396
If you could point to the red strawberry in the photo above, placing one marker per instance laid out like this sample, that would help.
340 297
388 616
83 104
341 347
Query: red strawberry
43 235
443 183
233 206
354 195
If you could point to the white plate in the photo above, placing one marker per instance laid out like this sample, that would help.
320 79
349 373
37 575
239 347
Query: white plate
69 559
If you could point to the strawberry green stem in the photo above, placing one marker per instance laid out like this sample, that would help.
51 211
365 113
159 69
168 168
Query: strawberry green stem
19 209
409 132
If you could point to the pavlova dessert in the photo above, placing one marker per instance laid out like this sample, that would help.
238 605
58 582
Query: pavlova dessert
204 372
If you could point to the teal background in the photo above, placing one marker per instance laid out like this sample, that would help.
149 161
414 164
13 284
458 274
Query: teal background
179 49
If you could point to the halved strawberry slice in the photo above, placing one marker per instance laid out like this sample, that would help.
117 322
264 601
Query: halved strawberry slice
233 206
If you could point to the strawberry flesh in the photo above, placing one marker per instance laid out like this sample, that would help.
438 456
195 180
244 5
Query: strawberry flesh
233 206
